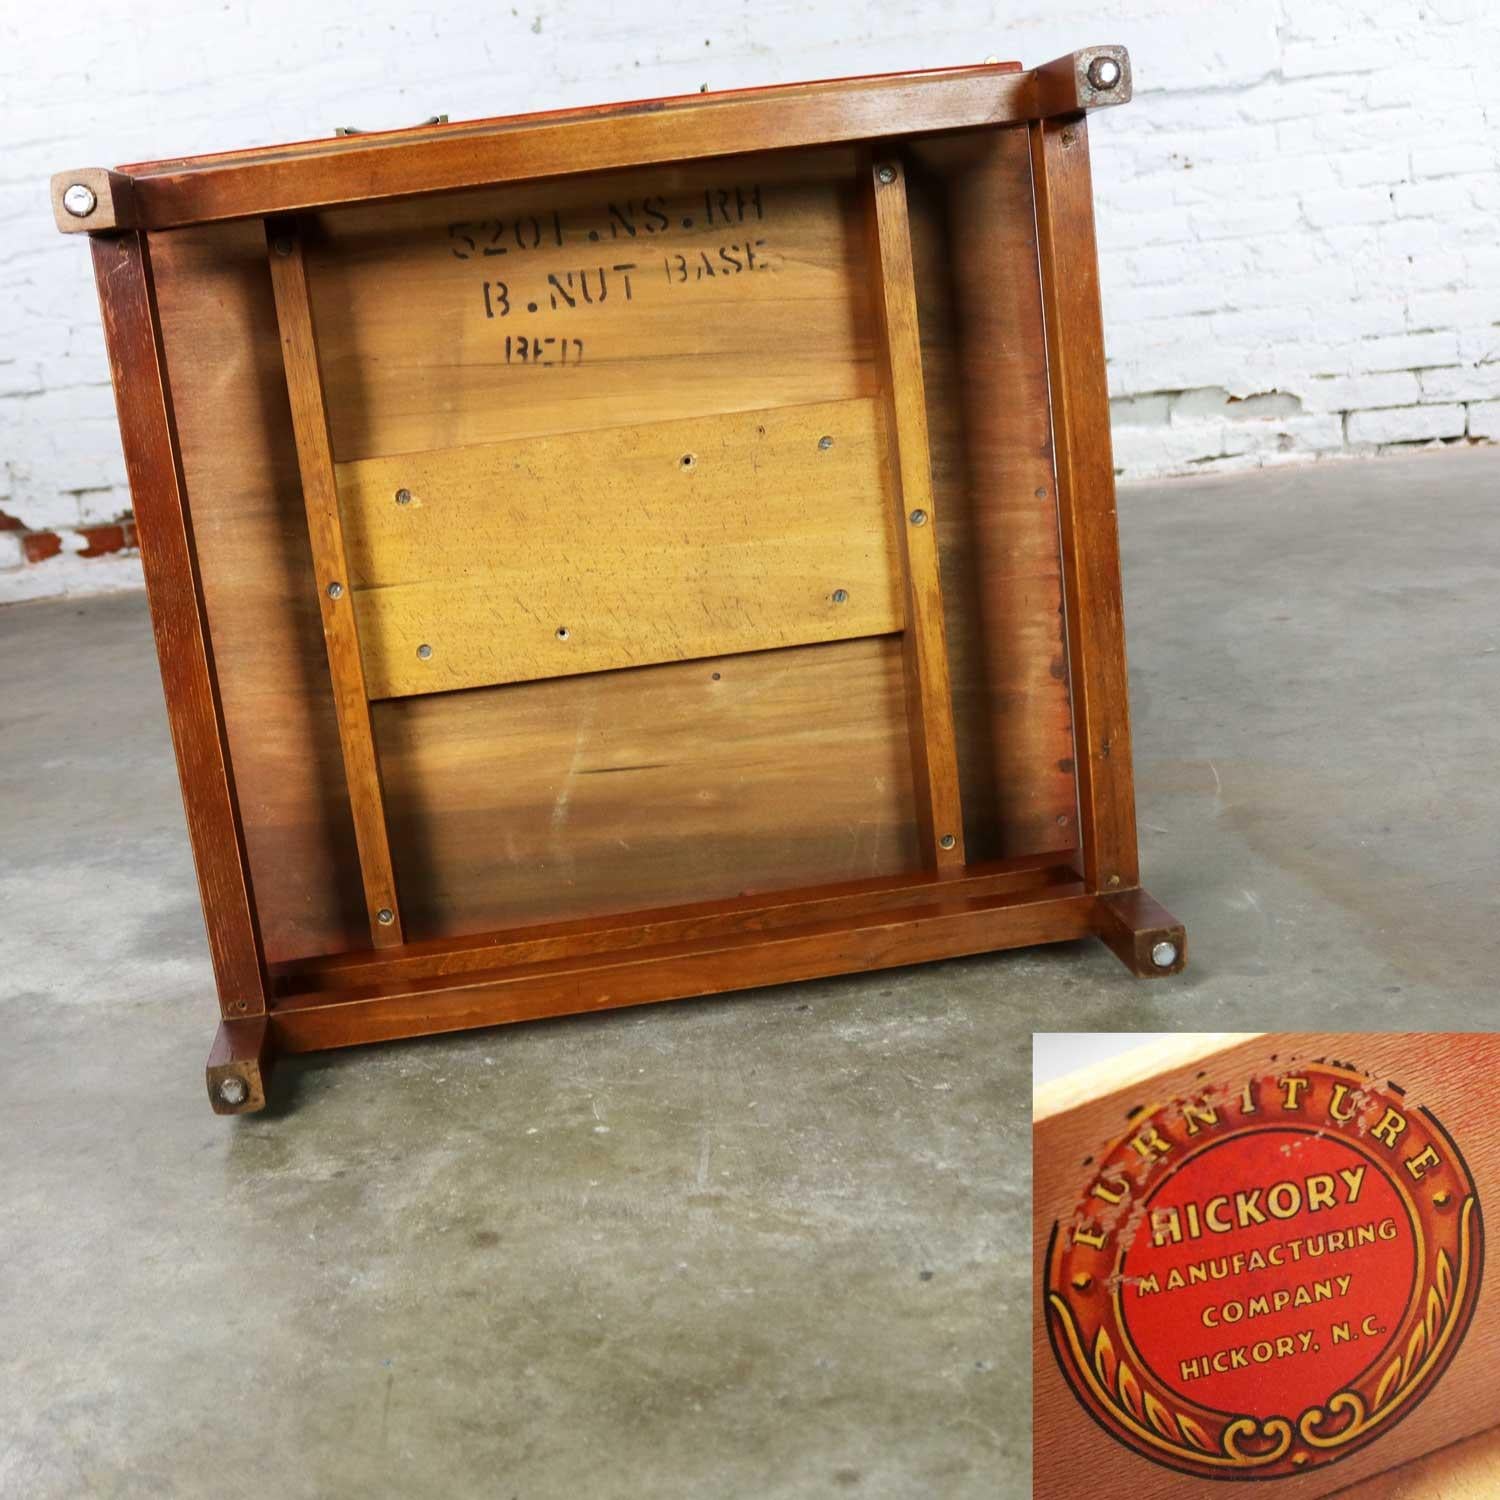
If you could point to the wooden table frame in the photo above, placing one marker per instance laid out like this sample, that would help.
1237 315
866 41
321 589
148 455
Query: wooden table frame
401 988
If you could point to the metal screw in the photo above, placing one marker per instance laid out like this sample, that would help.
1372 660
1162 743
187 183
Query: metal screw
562 632
825 443
919 518
841 596
1113 881
79 200
282 246
947 841
1104 72
1068 137
385 916
1164 954
233 1090
424 652
887 174
403 497
335 591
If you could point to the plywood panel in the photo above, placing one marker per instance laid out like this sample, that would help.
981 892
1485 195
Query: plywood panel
602 301
553 556
624 790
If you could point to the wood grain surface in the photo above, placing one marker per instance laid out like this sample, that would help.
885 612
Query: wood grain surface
984 367
283 179
791 767
330 581
1469 1470
581 552
1075 1118
148 431
697 922
613 301
929 691
1093 602
945 924
620 790
239 458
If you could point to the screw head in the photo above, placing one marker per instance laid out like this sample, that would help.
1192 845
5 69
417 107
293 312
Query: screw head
1164 954
825 443
947 841
919 518
79 200
886 174
841 596
1104 72
282 245
424 652
335 591
233 1089
403 497
385 916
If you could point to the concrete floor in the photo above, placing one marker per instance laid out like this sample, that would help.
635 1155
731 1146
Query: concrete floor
771 1245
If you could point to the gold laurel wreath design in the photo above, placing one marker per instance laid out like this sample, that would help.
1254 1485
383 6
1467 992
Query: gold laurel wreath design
1406 1372
1117 1387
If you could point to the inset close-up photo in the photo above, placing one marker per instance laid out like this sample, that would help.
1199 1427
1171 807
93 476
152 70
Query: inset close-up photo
1262 1257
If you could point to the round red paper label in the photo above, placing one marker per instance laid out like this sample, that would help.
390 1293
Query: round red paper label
1262 1278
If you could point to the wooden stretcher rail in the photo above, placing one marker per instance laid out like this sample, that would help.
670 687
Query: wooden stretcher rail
701 921
361 169
951 926
929 697
330 580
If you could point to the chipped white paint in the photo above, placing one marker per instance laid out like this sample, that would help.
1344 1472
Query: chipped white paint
1297 213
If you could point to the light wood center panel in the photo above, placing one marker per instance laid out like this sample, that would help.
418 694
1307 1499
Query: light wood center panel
554 556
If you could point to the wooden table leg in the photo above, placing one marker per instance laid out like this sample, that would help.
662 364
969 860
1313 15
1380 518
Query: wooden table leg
1144 935
239 1067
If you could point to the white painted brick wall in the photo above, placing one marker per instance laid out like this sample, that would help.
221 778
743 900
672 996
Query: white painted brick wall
1299 215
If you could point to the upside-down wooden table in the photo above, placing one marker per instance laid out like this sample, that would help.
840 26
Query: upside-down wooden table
707 509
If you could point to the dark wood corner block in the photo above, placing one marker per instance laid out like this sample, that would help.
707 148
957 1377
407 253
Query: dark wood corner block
238 1072
92 200
1144 935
